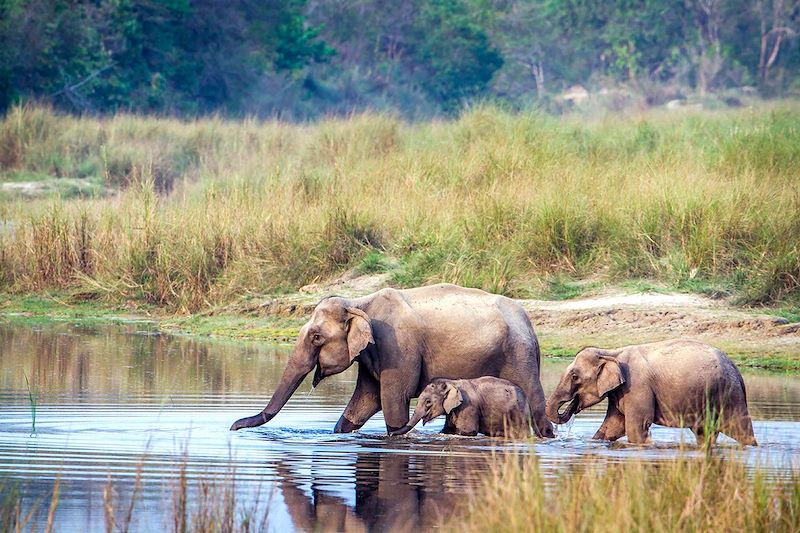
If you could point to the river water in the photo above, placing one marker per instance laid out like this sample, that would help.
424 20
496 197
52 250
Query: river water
121 407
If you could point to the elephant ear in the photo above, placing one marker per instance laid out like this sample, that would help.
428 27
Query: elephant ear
609 375
453 398
359 332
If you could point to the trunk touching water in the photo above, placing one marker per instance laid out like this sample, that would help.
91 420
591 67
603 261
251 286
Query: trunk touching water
409 426
300 364
560 396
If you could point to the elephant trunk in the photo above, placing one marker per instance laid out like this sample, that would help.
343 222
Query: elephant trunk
409 426
560 396
301 362
554 405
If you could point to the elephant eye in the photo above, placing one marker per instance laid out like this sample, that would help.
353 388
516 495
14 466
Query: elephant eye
316 337
574 377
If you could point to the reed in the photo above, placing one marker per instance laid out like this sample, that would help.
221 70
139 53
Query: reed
32 401
199 213
707 493
211 504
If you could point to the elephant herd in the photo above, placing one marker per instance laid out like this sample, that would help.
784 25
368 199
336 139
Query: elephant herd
474 357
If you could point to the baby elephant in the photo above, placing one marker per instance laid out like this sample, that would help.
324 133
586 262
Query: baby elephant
487 405
677 383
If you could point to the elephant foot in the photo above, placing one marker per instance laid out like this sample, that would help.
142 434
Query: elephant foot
345 426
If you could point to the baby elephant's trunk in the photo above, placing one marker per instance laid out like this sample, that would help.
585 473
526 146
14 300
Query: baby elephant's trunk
402 431
409 426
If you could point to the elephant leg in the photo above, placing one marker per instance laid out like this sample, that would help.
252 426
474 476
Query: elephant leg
395 399
364 403
613 426
640 410
398 385
739 426
394 403
526 376
704 437
637 428
466 422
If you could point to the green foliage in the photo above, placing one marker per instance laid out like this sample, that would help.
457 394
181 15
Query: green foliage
298 59
373 263
170 56
455 51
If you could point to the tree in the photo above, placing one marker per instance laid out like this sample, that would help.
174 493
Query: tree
778 23
172 56
454 52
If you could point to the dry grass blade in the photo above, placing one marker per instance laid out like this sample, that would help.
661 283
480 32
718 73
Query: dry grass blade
51 513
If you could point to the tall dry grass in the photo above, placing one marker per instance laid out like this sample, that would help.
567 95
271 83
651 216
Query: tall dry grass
682 494
205 211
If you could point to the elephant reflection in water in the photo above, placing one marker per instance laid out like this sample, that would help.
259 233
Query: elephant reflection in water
394 492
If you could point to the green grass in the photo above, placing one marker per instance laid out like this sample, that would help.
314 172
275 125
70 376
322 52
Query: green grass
236 324
562 287
209 211
769 362
62 306
276 330
374 262
553 346
708 493
792 314
32 401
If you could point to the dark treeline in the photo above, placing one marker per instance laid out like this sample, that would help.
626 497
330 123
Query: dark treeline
300 59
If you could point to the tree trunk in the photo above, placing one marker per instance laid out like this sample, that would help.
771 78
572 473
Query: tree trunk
709 21
537 69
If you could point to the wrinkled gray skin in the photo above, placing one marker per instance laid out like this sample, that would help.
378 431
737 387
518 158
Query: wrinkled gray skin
492 406
402 339
676 383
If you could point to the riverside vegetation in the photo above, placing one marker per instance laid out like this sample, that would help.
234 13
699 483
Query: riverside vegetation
706 493
187 216
195 214
710 493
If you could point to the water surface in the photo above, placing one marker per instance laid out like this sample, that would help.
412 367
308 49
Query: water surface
117 403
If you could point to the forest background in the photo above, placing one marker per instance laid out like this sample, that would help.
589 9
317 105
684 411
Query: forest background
305 59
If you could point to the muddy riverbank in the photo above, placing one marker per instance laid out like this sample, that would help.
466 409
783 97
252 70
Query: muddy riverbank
609 317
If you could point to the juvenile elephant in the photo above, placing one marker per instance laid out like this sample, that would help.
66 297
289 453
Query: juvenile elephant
402 339
676 383
488 405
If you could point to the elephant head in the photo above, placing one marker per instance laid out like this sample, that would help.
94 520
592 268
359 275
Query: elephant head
336 334
440 397
586 381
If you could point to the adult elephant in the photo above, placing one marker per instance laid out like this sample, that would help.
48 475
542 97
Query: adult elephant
402 339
